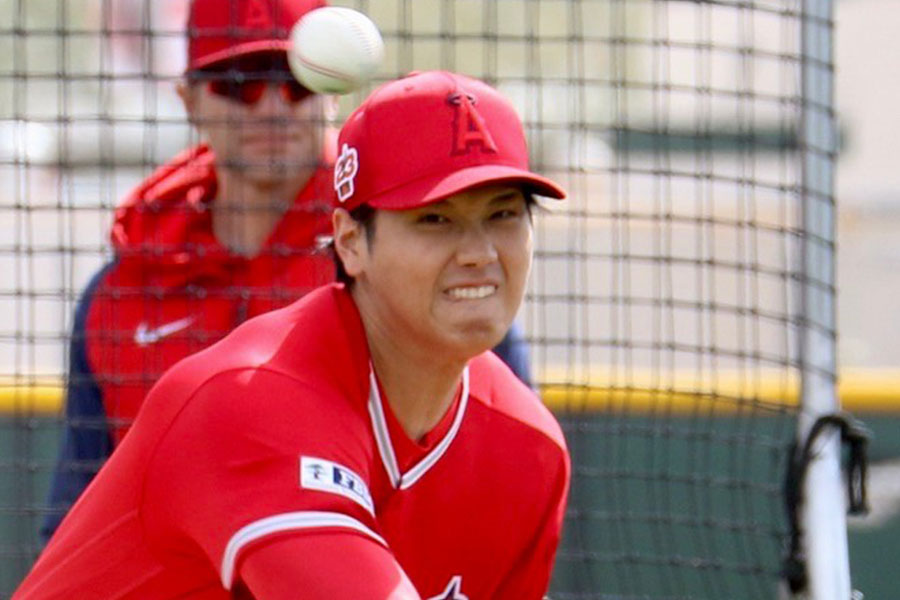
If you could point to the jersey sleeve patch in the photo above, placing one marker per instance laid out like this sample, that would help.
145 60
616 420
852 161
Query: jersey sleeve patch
330 477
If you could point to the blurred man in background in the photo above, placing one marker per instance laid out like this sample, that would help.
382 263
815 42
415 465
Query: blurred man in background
225 231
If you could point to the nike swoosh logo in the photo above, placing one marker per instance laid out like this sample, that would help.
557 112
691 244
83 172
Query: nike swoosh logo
144 336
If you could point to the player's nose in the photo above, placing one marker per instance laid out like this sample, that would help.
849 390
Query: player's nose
476 247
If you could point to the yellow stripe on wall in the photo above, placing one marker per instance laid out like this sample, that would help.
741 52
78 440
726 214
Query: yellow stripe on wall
31 399
860 390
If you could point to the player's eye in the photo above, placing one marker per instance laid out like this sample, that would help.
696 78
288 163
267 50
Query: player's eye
432 219
506 212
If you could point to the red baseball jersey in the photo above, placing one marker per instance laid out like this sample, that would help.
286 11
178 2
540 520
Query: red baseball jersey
175 289
281 429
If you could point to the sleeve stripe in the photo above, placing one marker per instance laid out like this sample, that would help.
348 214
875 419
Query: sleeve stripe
285 522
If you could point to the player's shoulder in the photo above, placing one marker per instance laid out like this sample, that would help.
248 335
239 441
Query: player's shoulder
250 406
298 339
296 354
318 339
260 401
494 386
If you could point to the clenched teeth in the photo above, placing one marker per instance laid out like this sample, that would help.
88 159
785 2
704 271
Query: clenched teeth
473 293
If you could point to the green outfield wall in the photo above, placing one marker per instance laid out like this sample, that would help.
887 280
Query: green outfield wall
643 480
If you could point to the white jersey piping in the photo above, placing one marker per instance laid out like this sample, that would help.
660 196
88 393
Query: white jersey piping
285 522
383 439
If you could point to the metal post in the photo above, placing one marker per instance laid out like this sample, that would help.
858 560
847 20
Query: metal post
824 523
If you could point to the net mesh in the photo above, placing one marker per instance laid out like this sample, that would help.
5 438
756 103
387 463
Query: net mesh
663 309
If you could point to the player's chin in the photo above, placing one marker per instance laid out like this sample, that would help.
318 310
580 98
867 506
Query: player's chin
476 325
476 336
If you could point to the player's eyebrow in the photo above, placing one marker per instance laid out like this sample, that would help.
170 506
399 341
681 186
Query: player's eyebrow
506 196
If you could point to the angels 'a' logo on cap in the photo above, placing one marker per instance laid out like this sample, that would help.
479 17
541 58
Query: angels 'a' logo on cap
257 14
469 128
345 170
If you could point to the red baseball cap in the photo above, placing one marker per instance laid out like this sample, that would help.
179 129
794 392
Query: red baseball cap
422 138
223 29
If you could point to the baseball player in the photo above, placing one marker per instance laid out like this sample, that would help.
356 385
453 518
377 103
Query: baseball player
361 442
226 231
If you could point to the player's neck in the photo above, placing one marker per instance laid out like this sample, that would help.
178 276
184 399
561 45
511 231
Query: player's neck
418 386
418 400
246 212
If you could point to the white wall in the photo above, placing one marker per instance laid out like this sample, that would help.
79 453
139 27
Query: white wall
867 57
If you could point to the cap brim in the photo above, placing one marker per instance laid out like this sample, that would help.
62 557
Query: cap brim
238 50
428 190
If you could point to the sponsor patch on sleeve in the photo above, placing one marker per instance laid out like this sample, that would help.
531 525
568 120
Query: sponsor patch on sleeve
330 477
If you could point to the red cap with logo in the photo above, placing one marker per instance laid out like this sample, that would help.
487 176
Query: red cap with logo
223 29
428 136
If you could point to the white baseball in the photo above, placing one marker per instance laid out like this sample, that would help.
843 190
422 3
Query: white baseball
335 50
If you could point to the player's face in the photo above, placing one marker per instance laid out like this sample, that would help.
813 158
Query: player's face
259 121
450 276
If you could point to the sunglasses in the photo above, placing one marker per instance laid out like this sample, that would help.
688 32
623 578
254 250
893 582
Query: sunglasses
244 80
248 90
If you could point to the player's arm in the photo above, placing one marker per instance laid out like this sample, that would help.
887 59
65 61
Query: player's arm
227 479
333 566
86 441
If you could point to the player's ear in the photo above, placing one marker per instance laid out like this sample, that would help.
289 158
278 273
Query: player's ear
186 93
349 241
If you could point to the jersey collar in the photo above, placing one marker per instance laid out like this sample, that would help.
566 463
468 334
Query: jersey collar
404 480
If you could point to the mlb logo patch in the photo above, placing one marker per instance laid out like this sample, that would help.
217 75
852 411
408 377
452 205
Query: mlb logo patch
326 476
345 170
